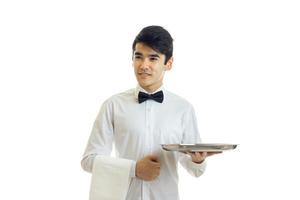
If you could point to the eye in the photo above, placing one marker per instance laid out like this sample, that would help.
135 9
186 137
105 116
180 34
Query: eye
137 57
153 59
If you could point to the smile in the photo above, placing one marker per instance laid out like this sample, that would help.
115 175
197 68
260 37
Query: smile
144 74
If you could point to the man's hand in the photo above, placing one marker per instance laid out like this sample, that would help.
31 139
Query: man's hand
148 168
199 157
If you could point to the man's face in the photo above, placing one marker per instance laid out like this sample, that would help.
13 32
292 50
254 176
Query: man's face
149 67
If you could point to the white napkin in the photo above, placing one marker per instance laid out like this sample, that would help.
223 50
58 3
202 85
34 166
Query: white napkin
110 178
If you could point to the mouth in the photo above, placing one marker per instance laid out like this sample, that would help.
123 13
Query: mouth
144 75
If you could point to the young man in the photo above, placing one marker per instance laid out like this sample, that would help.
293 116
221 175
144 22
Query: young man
139 120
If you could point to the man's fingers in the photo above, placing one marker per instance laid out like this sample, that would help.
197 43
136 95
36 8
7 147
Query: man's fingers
156 165
154 161
203 154
213 153
197 154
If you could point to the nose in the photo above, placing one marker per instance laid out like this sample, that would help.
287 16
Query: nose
145 64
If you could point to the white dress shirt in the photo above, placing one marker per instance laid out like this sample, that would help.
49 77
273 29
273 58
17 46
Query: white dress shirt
137 130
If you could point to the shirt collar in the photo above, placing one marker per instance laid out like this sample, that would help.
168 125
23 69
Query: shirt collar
140 89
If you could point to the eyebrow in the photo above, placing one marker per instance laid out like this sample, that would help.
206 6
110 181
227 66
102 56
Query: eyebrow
138 54
154 55
150 55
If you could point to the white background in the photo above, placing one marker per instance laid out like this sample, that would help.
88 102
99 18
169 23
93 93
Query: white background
236 61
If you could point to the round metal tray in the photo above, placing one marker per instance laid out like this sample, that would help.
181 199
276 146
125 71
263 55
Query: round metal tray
201 147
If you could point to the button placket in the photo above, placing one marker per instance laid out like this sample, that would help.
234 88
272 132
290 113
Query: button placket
150 125
147 145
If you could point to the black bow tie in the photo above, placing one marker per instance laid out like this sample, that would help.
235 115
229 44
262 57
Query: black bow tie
158 96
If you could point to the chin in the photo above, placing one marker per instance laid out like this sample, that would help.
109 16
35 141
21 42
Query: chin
144 82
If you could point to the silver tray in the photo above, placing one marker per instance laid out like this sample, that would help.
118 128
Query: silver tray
201 147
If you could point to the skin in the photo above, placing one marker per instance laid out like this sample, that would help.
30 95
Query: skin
149 68
199 157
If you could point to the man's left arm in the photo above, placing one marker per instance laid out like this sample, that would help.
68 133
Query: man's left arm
194 163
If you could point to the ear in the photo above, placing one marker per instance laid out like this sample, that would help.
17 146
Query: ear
169 64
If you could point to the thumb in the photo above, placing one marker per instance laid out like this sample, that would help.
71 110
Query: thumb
153 158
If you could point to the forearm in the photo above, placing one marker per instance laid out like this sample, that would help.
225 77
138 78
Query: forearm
193 168
88 161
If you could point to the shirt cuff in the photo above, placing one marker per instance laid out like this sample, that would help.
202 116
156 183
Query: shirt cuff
132 170
197 165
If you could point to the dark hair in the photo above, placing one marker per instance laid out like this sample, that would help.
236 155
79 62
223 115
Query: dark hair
156 37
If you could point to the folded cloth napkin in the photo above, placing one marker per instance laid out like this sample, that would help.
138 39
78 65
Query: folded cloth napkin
110 178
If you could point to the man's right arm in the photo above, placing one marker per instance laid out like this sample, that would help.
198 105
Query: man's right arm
101 138
100 143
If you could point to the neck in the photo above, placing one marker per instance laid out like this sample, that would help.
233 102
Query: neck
152 89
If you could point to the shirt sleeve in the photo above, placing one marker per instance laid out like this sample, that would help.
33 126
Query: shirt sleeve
101 138
191 135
